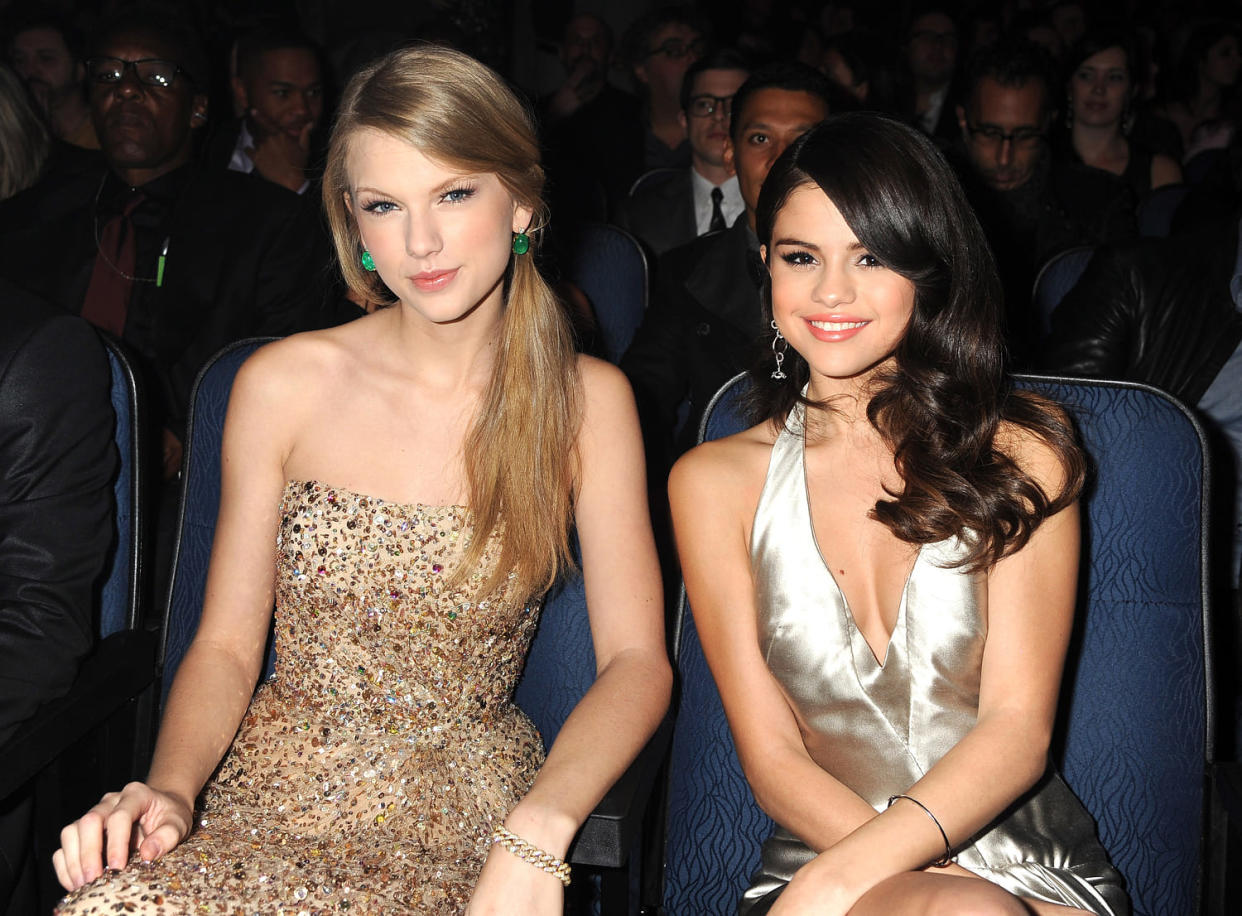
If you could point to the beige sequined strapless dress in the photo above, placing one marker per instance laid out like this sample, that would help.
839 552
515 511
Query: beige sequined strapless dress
878 726
368 773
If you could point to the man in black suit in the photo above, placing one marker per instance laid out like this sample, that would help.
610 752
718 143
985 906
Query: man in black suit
705 197
706 315
55 526
177 261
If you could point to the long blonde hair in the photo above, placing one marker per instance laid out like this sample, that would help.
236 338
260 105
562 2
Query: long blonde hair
520 455
24 140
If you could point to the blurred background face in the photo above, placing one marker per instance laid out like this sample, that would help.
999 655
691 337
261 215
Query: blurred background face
1100 88
672 50
286 89
1003 132
932 51
1221 64
708 133
586 45
42 60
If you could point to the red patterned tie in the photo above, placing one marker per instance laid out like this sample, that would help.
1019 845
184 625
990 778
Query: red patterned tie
112 280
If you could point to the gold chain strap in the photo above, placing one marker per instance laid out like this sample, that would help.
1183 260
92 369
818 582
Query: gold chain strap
527 852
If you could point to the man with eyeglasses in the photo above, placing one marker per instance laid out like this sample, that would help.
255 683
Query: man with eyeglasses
661 46
931 62
1031 206
705 197
174 259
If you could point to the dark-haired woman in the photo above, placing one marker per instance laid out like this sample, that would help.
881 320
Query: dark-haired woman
1205 81
1101 95
883 568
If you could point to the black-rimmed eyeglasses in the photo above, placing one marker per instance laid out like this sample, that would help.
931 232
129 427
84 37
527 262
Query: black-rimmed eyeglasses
704 106
989 135
677 49
151 71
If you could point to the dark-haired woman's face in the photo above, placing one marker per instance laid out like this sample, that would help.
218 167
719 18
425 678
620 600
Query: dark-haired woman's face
1100 88
837 305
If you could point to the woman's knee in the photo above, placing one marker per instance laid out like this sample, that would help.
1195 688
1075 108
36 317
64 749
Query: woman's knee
968 897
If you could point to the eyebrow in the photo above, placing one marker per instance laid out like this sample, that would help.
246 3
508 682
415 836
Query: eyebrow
799 243
285 84
438 189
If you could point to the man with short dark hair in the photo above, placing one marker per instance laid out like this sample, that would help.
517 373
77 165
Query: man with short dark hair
705 313
660 47
279 89
705 197
44 52
1031 206
931 61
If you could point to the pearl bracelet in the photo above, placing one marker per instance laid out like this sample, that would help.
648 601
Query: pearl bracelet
544 861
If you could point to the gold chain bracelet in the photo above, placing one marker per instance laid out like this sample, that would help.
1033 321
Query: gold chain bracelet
528 852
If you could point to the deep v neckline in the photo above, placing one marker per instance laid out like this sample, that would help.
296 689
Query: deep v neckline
880 660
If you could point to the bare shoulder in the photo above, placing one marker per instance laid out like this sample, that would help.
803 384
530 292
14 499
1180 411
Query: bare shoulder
1042 461
603 384
308 363
728 468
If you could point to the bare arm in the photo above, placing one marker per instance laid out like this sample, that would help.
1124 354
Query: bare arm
613 721
215 681
1030 612
713 491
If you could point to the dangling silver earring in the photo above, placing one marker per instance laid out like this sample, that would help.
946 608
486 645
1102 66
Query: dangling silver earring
779 346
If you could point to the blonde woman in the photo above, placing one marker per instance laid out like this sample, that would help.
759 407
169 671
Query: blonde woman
418 471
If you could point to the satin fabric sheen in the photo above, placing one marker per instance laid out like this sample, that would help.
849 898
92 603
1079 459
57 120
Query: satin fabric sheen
878 727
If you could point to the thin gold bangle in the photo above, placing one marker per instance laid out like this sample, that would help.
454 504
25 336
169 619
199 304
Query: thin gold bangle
948 850
528 852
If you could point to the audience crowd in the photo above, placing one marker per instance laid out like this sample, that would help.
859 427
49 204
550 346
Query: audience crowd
160 176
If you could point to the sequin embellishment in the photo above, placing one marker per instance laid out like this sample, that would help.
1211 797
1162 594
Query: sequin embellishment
369 772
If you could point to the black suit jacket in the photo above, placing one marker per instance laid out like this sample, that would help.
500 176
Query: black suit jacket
702 328
661 215
56 449
243 259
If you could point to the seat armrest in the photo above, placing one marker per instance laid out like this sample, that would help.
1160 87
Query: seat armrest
117 670
607 837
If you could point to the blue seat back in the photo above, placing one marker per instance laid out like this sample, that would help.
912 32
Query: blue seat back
608 265
119 594
1156 212
714 828
561 665
200 503
1136 731
1137 699
1056 278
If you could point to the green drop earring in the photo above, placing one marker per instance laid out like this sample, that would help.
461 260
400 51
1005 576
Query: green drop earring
521 243
368 262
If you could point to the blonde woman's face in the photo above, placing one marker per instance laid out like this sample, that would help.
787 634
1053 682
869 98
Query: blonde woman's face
441 238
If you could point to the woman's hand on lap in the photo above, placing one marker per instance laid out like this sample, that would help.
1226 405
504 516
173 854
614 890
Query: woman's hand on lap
138 817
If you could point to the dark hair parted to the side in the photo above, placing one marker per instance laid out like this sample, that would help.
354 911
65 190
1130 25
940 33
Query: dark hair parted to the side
1013 62
722 59
941 405
791 75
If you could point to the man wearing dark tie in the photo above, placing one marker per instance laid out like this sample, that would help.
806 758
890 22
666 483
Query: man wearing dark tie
676 206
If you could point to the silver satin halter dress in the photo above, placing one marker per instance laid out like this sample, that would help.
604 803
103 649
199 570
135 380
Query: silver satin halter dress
879 727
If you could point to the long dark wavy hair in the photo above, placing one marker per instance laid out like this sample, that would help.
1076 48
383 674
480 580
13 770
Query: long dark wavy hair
940 403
